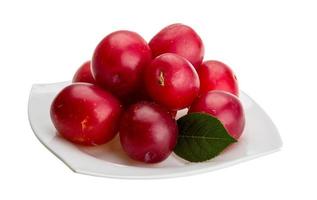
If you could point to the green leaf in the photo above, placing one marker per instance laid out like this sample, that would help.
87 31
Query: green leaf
201 137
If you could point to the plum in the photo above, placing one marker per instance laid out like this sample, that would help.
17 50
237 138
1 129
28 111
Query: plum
215 75
224 106
84 74
172 81
85 114
180 39
118 62
147 132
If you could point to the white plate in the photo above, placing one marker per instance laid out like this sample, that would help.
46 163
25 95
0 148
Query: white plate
260 137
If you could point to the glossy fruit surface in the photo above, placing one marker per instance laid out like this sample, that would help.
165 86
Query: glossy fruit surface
179 39
225 107
85 114
147 132
215 75
172 81
84 74
118 62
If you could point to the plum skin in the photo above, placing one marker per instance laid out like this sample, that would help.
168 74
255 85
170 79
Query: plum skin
147 132
180 39
85 114
215 75
172 81
224 106
118 62
84 74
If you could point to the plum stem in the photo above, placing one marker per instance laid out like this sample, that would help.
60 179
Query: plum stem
161 79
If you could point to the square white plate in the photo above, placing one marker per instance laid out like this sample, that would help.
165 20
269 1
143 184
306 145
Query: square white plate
260 137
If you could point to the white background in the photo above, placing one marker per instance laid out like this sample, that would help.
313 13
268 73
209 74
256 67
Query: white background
271 45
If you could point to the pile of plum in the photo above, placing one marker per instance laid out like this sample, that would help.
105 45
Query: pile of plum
135 88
